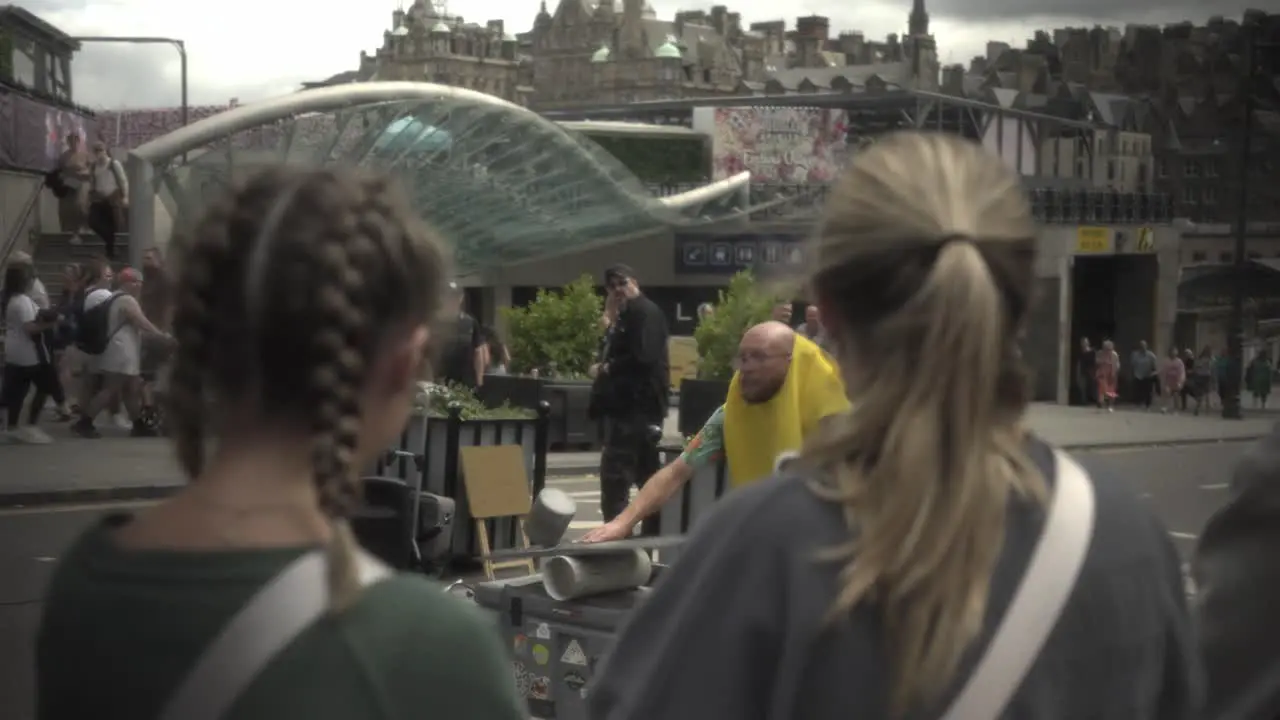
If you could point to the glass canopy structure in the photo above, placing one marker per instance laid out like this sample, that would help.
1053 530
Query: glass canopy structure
500 182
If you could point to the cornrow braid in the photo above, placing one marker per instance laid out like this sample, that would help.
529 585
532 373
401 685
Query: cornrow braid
289 291
195 304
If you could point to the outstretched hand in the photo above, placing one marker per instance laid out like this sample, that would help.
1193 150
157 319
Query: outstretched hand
608 532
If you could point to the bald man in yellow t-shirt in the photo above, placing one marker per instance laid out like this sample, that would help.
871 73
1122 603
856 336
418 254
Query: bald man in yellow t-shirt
784 385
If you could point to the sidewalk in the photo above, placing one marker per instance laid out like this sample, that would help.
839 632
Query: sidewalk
123 468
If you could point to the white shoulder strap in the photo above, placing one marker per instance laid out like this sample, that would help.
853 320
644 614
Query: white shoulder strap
1038 602
271 620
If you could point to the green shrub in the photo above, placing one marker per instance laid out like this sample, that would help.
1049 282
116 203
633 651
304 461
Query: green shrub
742 304
434 400
558 334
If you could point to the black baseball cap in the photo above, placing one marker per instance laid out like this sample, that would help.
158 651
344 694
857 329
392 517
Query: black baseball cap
619 272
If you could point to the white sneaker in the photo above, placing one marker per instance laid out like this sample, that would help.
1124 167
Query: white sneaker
32 435
122 421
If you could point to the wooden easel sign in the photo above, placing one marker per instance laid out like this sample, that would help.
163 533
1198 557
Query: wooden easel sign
497 486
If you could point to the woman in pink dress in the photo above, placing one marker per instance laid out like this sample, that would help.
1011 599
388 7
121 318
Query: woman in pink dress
1173 376
1108 373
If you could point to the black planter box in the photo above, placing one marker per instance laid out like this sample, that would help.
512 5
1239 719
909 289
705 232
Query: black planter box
698 400
569 427
427 459
514 390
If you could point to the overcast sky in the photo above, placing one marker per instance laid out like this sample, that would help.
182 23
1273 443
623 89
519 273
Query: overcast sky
254 49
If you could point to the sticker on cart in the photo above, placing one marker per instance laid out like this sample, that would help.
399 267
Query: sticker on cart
524 680
540 688
520 644
573 655
541 654
542 632
575 681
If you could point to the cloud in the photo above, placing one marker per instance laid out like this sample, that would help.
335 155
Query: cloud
252 49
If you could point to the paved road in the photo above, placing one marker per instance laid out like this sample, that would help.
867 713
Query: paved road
118 467
1183 484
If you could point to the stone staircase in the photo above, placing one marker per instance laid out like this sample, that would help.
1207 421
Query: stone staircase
54 251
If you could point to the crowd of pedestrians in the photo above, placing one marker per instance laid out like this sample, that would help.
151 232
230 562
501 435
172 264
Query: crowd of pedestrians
922 554
1182 381
94 353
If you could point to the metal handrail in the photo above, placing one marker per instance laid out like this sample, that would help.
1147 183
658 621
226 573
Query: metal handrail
12 241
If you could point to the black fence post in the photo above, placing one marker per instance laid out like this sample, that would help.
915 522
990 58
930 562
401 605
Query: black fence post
541 439
452 435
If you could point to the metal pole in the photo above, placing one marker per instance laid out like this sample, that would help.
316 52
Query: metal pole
1230 385
182 55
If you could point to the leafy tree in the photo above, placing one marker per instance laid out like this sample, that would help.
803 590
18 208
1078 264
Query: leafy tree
558 334
742 304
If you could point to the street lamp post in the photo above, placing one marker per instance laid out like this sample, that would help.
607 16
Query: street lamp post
1234 380
177 44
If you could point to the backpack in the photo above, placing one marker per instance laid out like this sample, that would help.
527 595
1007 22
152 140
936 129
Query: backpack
93 327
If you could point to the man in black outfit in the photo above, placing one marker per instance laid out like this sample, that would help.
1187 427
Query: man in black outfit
632 386
462 361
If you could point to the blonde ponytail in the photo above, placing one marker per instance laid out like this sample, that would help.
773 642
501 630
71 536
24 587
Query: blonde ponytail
925 463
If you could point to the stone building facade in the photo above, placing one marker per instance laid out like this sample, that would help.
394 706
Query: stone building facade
428 44
593 52
1179 85
619 51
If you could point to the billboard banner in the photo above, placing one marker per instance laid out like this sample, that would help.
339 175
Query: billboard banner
33 134
775 144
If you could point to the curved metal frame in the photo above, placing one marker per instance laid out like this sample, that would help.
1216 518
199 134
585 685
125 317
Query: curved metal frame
143 161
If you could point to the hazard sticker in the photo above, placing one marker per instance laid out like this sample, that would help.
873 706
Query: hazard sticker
542 632
573 655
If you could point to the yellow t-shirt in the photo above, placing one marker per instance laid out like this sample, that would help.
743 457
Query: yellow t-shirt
756 434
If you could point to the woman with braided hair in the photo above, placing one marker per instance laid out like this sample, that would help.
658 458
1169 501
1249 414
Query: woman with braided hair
303 304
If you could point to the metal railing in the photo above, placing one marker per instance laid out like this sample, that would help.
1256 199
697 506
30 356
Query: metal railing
11 240
1050 204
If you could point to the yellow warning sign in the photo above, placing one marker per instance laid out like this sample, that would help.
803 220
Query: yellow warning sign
1093 240
1146 240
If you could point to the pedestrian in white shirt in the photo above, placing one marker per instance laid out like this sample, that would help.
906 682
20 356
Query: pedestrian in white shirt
27 360
120 363
108 197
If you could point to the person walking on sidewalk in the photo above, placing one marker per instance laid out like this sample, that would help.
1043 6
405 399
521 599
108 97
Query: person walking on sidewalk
1201 380
896 568
49 317
1086 373
1259 377
1173 376
120 360
27 362
1146 378
1107 375
304 302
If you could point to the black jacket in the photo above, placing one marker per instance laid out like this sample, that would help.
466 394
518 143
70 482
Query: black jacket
1237 575
639 375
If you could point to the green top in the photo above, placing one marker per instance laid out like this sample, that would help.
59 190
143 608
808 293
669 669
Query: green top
708 445
122 628
1258 376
